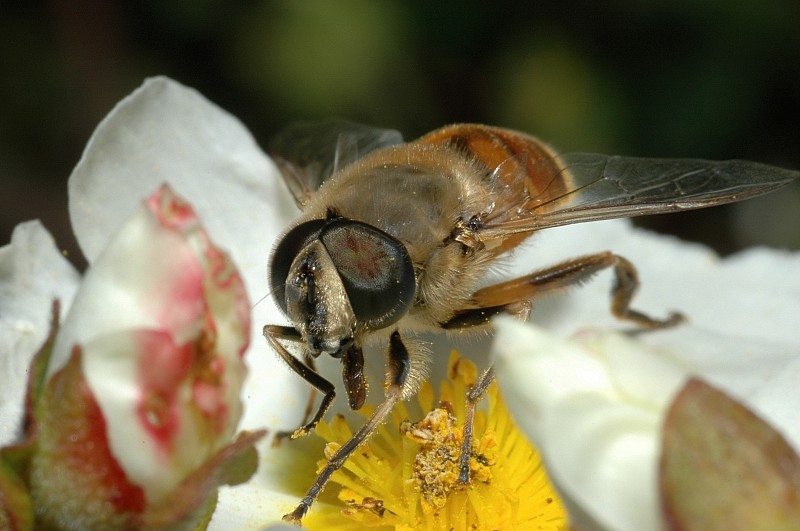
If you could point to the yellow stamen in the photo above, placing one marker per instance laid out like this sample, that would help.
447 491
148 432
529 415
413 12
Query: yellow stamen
405 476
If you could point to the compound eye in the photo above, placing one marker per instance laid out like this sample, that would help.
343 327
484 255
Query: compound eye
284 254
375 269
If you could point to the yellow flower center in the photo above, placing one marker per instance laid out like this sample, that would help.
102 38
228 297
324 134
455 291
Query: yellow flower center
406 476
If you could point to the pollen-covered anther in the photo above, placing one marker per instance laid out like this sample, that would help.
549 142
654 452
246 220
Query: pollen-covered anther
436 466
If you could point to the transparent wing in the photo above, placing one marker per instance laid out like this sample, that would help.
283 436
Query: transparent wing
583 187
309 153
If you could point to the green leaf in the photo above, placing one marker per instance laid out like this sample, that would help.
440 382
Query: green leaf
722 467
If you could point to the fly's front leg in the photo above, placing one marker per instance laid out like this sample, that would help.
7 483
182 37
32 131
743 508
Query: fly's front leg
398 368
309 409
274 333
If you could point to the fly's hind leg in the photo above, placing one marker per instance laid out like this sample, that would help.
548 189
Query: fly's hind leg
398 369
274 333
513 297
569 273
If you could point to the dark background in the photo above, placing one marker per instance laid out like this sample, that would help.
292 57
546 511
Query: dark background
713 79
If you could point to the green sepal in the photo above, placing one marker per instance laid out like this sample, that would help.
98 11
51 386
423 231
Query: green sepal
16 505
37 376
723 467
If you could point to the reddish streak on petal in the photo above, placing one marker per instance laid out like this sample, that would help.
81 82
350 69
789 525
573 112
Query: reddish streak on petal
162 368
225 277
188 290
170 210
218 265
223 273
93 453
179 300
184 304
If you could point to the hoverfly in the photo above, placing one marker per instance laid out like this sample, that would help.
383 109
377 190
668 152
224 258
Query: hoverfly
394 238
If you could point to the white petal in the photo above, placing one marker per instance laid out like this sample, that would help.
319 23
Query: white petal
537 370
260 502
778 401
605 459
270 493
743 310
640 373
600 451
32 274
165 132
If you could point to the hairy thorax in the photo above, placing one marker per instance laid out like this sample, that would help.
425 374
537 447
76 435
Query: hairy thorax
424 199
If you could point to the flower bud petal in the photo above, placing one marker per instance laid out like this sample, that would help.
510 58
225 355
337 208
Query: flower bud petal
163 320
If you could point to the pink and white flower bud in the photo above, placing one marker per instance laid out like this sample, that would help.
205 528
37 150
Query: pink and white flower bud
145 375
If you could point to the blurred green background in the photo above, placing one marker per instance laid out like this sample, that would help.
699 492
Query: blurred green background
679 78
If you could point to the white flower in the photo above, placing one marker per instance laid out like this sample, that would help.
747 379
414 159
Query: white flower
594 404
165 132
